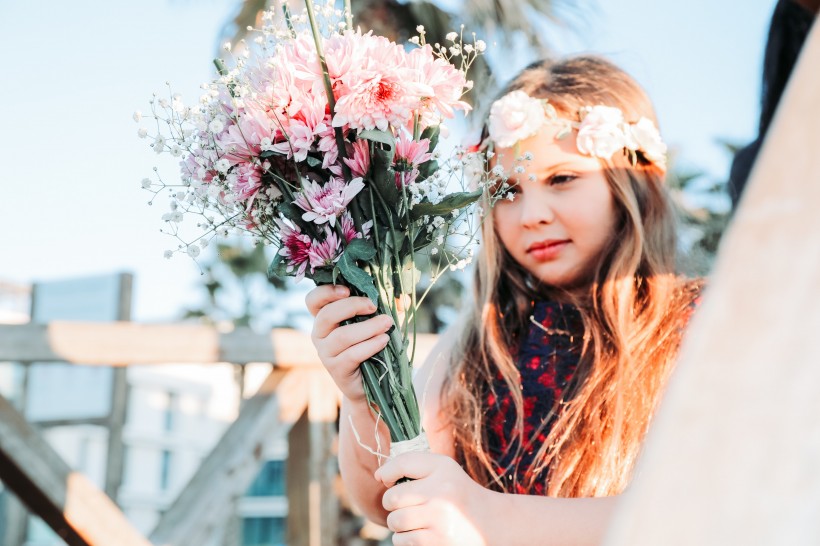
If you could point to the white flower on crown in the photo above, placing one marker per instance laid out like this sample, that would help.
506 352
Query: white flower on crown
644 136
515 117
601 132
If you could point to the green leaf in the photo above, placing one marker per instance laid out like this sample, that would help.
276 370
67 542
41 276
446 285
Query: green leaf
445 206
290 211
278 267
383 177
323 276
313 162
376 135
358 277
432 133
360 249
268 153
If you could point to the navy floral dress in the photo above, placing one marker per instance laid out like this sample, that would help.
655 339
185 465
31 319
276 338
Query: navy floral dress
547 357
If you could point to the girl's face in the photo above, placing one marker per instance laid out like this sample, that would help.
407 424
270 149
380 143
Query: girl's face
558 223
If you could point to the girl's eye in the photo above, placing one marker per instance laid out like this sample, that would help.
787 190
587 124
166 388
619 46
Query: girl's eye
562 178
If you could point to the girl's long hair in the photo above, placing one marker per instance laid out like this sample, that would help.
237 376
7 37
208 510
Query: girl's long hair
633 314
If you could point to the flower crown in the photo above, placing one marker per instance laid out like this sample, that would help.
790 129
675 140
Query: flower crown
602 130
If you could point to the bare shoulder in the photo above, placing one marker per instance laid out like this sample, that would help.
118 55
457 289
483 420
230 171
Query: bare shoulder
428 382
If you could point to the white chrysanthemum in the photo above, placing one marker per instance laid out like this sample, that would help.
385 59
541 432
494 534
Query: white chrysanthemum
514 117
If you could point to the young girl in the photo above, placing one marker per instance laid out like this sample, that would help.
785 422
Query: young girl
537 402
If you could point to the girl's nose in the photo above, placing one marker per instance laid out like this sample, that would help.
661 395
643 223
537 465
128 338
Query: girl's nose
535 211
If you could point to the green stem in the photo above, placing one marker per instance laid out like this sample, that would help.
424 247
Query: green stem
331 101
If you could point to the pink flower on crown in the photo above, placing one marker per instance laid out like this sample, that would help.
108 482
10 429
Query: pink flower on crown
325 253
644 137
295 247
601 132
325 203
359 162
514 117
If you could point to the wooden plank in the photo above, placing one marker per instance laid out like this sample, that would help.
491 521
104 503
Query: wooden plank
118 343
198 515
313 506
78 512
732 457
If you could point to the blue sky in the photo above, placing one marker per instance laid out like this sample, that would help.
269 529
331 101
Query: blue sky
74 72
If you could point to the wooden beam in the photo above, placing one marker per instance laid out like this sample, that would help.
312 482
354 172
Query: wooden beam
197 517
78 512
732 457
117 343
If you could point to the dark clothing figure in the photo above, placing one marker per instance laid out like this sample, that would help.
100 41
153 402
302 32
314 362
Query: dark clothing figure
791 23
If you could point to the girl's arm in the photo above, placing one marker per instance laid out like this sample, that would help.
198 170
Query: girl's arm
442 506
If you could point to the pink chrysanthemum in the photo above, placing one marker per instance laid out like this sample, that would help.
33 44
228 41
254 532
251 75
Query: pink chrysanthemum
446 82
247 181
324 253
409 155
349 229
295 247
324 203
242 140
380 92
359 162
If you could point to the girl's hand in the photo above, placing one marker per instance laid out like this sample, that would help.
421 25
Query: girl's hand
442 506
343 348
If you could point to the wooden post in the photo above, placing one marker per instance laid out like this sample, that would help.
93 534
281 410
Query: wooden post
198 515
78 512
313 507
732 457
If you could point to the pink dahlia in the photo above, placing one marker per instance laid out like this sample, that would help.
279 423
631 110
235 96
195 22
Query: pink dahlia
324 203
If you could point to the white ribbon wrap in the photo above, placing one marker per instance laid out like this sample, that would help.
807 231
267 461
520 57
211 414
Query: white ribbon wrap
418 444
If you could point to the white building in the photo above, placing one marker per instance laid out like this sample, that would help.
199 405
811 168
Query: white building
173 417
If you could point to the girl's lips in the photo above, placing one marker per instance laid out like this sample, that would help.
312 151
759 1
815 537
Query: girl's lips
547 250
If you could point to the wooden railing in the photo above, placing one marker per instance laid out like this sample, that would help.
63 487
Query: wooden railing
298 400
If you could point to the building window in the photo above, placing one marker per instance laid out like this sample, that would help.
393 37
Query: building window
165 469
270 482
173 402
263 531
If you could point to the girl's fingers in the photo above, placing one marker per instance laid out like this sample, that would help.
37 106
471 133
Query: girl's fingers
352 357
410 465
322 295
421 537
404 495
412 518
329 317
343 337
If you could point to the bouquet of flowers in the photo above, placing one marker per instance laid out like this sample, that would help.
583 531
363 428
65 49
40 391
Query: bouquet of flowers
323 143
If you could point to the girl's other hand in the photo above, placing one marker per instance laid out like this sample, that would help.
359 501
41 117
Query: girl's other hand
442 506
343 348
